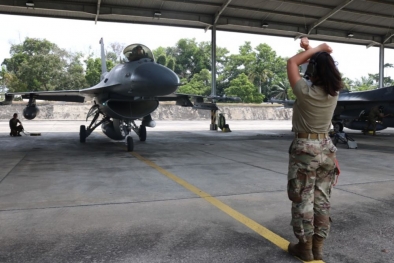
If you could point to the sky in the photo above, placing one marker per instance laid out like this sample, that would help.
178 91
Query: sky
354 61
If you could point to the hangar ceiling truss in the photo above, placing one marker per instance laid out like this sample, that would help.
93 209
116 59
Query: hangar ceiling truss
363 22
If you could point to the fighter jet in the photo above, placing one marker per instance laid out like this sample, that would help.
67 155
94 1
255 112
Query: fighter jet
353 107
130 91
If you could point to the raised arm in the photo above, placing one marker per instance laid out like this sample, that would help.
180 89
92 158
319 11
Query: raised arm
294 62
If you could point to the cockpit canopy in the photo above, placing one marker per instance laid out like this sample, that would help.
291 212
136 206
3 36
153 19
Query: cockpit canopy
136 52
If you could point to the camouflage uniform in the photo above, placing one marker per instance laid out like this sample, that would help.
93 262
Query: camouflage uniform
310 178
374 115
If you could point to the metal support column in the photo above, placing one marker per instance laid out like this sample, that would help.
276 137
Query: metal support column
381 65
213 57
213 125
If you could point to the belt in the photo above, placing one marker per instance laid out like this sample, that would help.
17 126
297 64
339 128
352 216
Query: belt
311 135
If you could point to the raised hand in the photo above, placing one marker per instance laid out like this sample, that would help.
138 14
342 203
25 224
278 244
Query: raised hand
325 48
305 43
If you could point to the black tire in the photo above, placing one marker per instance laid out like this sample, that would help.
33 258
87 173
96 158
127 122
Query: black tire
82 133
338 126
142 133
221 121
130 144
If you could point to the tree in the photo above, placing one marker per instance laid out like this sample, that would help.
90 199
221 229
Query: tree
243 88
34 65
162 59
74 77
93 70
365 83
171 64
159 51
290 94
267 69
199 85
280 91
115 52
190 57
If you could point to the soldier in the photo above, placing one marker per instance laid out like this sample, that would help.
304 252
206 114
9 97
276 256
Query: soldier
311 173
375 114
15 128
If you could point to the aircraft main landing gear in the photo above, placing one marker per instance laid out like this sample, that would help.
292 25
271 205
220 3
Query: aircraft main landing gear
142 133
82 133
129 143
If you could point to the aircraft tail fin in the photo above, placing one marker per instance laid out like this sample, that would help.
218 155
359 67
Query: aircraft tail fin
104 70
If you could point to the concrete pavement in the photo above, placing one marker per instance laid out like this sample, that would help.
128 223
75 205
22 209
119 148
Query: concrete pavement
63 201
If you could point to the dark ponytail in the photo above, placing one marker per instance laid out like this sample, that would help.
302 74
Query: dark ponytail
327 75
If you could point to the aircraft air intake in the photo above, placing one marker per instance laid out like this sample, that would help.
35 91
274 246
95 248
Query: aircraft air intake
135 109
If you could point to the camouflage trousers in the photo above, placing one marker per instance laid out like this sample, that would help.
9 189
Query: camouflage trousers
310 178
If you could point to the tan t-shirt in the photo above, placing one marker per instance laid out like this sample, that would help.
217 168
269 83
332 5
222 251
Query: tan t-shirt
313 109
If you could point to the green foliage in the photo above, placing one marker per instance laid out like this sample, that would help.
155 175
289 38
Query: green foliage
243 88
171 64
111 56
159 51
162 59
93 70
191 57
39 65
199 84
290 94
280 91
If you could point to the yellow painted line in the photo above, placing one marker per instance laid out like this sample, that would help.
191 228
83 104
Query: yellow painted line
264 232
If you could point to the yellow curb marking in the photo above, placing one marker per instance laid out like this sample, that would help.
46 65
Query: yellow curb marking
264 232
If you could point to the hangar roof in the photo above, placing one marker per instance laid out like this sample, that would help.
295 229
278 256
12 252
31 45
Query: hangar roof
364 22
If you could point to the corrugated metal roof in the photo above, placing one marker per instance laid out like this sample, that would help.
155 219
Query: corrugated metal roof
369 21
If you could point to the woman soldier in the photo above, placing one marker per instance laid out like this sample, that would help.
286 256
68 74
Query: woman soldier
312 166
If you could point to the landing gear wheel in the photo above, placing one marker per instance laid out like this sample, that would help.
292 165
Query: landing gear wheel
130 144
82 133
338 127
221 121
142 133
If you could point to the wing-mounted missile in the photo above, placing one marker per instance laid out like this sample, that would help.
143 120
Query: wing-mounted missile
31 111
286 103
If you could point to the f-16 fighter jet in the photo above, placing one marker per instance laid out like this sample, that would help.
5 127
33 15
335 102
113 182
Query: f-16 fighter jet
131 91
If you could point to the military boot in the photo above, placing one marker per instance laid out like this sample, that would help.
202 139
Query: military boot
317 247
302 250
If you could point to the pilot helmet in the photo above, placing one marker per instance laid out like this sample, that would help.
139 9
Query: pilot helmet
138 50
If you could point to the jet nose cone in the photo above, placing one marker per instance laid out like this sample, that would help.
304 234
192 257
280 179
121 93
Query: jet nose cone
154 79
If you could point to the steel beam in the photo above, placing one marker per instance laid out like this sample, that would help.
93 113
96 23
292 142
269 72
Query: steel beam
98 11
388 36
333 12
217 15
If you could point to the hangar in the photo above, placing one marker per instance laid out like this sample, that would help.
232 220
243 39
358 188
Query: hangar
361 22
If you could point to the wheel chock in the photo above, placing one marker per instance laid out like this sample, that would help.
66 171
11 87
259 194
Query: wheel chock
226 128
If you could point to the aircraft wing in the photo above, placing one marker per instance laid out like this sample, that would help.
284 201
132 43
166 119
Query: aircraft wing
197 101
286 103
61 95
